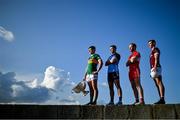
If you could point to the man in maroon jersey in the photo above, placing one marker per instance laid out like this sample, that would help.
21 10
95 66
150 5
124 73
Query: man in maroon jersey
156 70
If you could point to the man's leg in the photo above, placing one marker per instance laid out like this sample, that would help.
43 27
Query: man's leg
119 90
157 87
140 90
161 90
91 91
111 90
160 86
134 90
95 89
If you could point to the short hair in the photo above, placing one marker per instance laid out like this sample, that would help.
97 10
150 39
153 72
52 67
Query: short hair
153 41
113 46
92 47
134 45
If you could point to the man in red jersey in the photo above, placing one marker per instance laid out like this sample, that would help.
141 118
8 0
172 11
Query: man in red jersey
156 70
134 74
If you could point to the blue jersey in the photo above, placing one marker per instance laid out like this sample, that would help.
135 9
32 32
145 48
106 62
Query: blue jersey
114 67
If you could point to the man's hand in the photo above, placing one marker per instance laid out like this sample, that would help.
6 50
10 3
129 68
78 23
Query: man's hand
107 63
128 63
133 59
95 72
154 69
84 78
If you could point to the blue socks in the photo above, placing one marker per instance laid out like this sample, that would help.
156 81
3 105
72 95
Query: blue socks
120 99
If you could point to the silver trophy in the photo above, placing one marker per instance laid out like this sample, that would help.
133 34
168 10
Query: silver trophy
80 87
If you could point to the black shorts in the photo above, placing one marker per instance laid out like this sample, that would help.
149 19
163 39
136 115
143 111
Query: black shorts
113 76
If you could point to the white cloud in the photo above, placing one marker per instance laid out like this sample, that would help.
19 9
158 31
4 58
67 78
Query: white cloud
16 90
6 35
55 88
59 81
13 90
56 79
33 83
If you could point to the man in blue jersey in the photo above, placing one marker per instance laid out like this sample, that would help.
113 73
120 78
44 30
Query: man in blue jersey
113 75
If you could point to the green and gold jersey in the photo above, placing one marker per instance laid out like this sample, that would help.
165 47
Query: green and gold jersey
92 63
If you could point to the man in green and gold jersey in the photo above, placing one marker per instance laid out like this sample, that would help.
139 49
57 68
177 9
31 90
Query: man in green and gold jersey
95 64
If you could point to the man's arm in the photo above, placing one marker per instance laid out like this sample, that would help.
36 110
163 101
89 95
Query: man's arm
156 56
112 61
133 60
107 63
84 78
128 63
100 64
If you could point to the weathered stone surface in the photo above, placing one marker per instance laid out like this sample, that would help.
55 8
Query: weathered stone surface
69 111
18 111
6 111
116 112
11 111
164 112
141 112
47 111
92 112
28 111
177 108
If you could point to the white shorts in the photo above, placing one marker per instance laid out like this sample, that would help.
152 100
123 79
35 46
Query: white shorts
157 73
90 77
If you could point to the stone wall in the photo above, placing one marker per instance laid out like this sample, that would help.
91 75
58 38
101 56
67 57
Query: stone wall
170 111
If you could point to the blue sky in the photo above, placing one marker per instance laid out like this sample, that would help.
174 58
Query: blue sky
58 33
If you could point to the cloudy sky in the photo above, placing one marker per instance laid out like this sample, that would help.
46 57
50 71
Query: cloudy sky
44 47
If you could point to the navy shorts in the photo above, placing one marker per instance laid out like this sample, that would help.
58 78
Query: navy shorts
113 76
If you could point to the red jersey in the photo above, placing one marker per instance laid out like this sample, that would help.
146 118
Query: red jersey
134 65
152 57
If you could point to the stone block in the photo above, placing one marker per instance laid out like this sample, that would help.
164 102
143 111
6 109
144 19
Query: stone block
6 112
141 112
92 112
69 111
116 112
177 108
19 111
164 112
48 111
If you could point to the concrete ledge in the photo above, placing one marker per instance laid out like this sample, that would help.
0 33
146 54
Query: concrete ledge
92 112
28 111
177 111
116 112
89 112
164 112
141 112
67 111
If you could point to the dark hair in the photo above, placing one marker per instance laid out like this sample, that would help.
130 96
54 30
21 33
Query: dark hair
92 47
153 41
133 44
113 46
